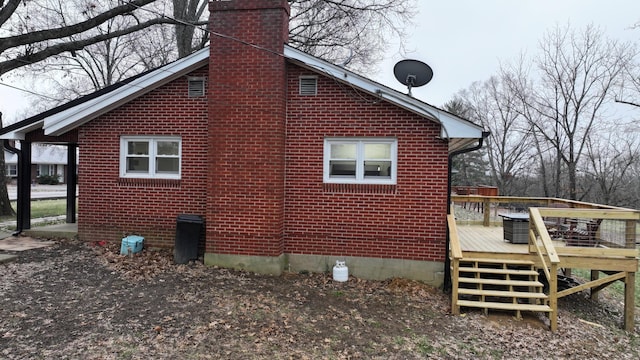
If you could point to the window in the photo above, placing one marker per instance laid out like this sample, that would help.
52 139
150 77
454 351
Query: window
12 170
45 170
363 161
150 157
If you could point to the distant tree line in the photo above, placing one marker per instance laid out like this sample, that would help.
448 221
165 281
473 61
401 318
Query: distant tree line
563 123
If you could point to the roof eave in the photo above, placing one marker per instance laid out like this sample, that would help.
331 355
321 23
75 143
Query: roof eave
452 127
20 133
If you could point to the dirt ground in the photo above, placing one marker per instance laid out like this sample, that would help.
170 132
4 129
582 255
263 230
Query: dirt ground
85 301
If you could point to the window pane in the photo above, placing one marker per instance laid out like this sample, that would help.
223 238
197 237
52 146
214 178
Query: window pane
138 148
377 168
343 151
138 164
44 170
167 165
377 151
344 168
168 148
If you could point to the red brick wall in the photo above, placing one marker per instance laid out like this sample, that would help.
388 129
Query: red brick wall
247 127
110 207
405 221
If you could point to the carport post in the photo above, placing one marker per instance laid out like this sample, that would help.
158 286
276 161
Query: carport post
71 183
24 186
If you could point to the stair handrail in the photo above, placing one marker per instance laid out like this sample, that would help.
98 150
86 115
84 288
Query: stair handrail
537 226
454 240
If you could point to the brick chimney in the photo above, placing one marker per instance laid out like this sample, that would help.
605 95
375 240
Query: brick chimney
247 113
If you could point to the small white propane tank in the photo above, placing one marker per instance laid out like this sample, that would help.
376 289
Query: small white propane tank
340 272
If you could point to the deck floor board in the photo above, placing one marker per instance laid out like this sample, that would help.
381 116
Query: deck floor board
490 239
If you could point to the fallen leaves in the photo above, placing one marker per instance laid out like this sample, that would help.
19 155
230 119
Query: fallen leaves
78 301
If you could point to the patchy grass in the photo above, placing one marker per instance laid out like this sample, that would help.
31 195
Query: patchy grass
42 208
616 289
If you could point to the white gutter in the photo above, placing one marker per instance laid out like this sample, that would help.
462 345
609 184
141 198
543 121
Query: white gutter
451 125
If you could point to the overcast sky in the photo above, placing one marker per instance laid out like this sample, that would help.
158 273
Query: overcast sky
465 40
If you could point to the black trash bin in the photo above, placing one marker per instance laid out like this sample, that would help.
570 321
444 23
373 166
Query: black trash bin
188 229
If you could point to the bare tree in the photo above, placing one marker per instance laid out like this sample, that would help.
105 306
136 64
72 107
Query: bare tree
629 93
353 32
610 159
577 73
493 105
75 73
32 41
188 37
71 75
5 203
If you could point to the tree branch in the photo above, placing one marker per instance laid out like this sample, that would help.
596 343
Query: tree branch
65 31
9 65
8 10
627 103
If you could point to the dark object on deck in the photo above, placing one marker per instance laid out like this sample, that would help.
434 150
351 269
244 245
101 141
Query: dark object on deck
556 226
188 230
583 233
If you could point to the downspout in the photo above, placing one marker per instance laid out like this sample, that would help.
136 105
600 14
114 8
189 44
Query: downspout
447 259
19 210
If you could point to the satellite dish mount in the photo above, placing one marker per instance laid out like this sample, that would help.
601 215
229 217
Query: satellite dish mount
412 73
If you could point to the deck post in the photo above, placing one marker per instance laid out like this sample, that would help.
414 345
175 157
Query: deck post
487 212
629 301
455 309
595 274
553 297
630 234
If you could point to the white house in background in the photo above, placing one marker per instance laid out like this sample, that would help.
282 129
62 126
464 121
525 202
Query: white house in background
45 160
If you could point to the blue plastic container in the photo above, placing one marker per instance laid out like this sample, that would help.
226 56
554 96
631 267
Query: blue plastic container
131 244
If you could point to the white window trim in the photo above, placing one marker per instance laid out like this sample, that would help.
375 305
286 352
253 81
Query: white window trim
360 178
153 140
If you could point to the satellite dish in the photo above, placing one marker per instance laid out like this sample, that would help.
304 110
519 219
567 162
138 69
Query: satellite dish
413 73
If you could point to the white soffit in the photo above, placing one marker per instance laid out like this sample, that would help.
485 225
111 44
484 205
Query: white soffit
18 134
451 125
66 120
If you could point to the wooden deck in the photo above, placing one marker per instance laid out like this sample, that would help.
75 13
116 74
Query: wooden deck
487 271
478 238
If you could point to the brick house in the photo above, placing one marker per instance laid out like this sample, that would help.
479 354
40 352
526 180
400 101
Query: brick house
293 162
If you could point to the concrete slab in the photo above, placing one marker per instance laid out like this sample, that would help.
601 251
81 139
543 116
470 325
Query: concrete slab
64 230
22 243
5 258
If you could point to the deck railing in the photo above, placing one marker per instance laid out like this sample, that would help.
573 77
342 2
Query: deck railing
621 230
540 242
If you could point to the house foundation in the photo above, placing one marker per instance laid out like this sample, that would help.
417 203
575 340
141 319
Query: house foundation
429 272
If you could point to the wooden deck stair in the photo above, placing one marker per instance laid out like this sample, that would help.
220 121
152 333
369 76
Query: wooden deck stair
502 284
